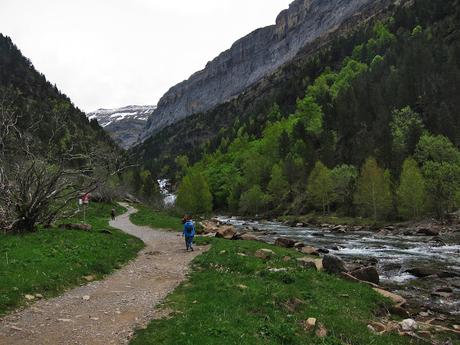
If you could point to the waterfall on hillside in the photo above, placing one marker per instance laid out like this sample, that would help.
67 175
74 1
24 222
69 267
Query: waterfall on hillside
169 198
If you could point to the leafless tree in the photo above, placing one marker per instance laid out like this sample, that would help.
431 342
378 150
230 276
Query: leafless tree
37 188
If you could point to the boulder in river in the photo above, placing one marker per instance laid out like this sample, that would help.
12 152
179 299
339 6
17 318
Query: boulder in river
367 274
428 232
285 242
333 264
421 272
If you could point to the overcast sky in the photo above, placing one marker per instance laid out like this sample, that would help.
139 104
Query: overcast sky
112 53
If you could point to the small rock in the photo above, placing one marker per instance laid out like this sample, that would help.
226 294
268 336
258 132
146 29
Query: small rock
321 332
367 274
86 298
333 264
241 254
309 250
456 327
29 297
264 254
222 252
372 329
445 289
248 237
89 278
16 328
64 320
278 270
311 263
408 325
309 324
95 318
287 259
299 245
227 232
396 299
285 242
39 295
378 327
242 286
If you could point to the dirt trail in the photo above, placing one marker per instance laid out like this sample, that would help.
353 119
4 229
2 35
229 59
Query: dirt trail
116 306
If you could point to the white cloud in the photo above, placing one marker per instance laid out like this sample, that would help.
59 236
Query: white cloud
111 53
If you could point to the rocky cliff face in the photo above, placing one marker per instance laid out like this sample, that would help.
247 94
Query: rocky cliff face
254 57
123 124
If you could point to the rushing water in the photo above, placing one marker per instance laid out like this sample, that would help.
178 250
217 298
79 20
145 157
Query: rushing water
395 254
169 198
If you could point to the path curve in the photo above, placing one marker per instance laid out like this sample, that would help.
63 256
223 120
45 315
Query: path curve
117 305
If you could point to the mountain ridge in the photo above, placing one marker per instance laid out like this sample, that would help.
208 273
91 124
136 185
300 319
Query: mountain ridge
123 124
255 56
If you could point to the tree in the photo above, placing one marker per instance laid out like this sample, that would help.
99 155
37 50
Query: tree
194 195
344 184
320 187
436 148
411 192
440 161
406 129
373 195
254 200
150 188
443 186
278 186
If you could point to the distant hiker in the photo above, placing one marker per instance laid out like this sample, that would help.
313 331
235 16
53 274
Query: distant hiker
112 213
189 232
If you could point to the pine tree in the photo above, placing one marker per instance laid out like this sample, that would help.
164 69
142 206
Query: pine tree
320 187
411 191
373 196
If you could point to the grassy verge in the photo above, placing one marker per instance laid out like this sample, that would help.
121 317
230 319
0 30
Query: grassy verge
52 260
236 299
148 217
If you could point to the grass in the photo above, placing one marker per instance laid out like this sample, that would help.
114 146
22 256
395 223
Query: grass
52 260
235 299
160 220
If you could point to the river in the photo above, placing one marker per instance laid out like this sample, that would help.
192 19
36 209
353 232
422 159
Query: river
395 254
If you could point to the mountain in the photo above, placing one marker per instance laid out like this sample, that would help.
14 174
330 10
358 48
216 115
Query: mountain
123 124
44 113
257 55
421 73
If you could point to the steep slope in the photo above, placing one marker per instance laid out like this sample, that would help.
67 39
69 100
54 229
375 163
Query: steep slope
394 86
123 124
256 56
44 112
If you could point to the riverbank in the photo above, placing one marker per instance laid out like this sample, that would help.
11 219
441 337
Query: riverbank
249 292
46 263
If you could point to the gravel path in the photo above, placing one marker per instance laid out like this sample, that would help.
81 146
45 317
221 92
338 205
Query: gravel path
107 311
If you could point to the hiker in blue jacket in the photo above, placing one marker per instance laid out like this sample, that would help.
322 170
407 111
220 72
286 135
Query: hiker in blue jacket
189 232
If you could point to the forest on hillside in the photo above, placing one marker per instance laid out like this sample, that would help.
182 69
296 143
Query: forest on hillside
376 134
50 153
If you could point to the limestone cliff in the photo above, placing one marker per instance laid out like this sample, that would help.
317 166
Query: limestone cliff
255 56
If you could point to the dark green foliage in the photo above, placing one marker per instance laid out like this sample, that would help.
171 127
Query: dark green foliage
373 93
59 125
